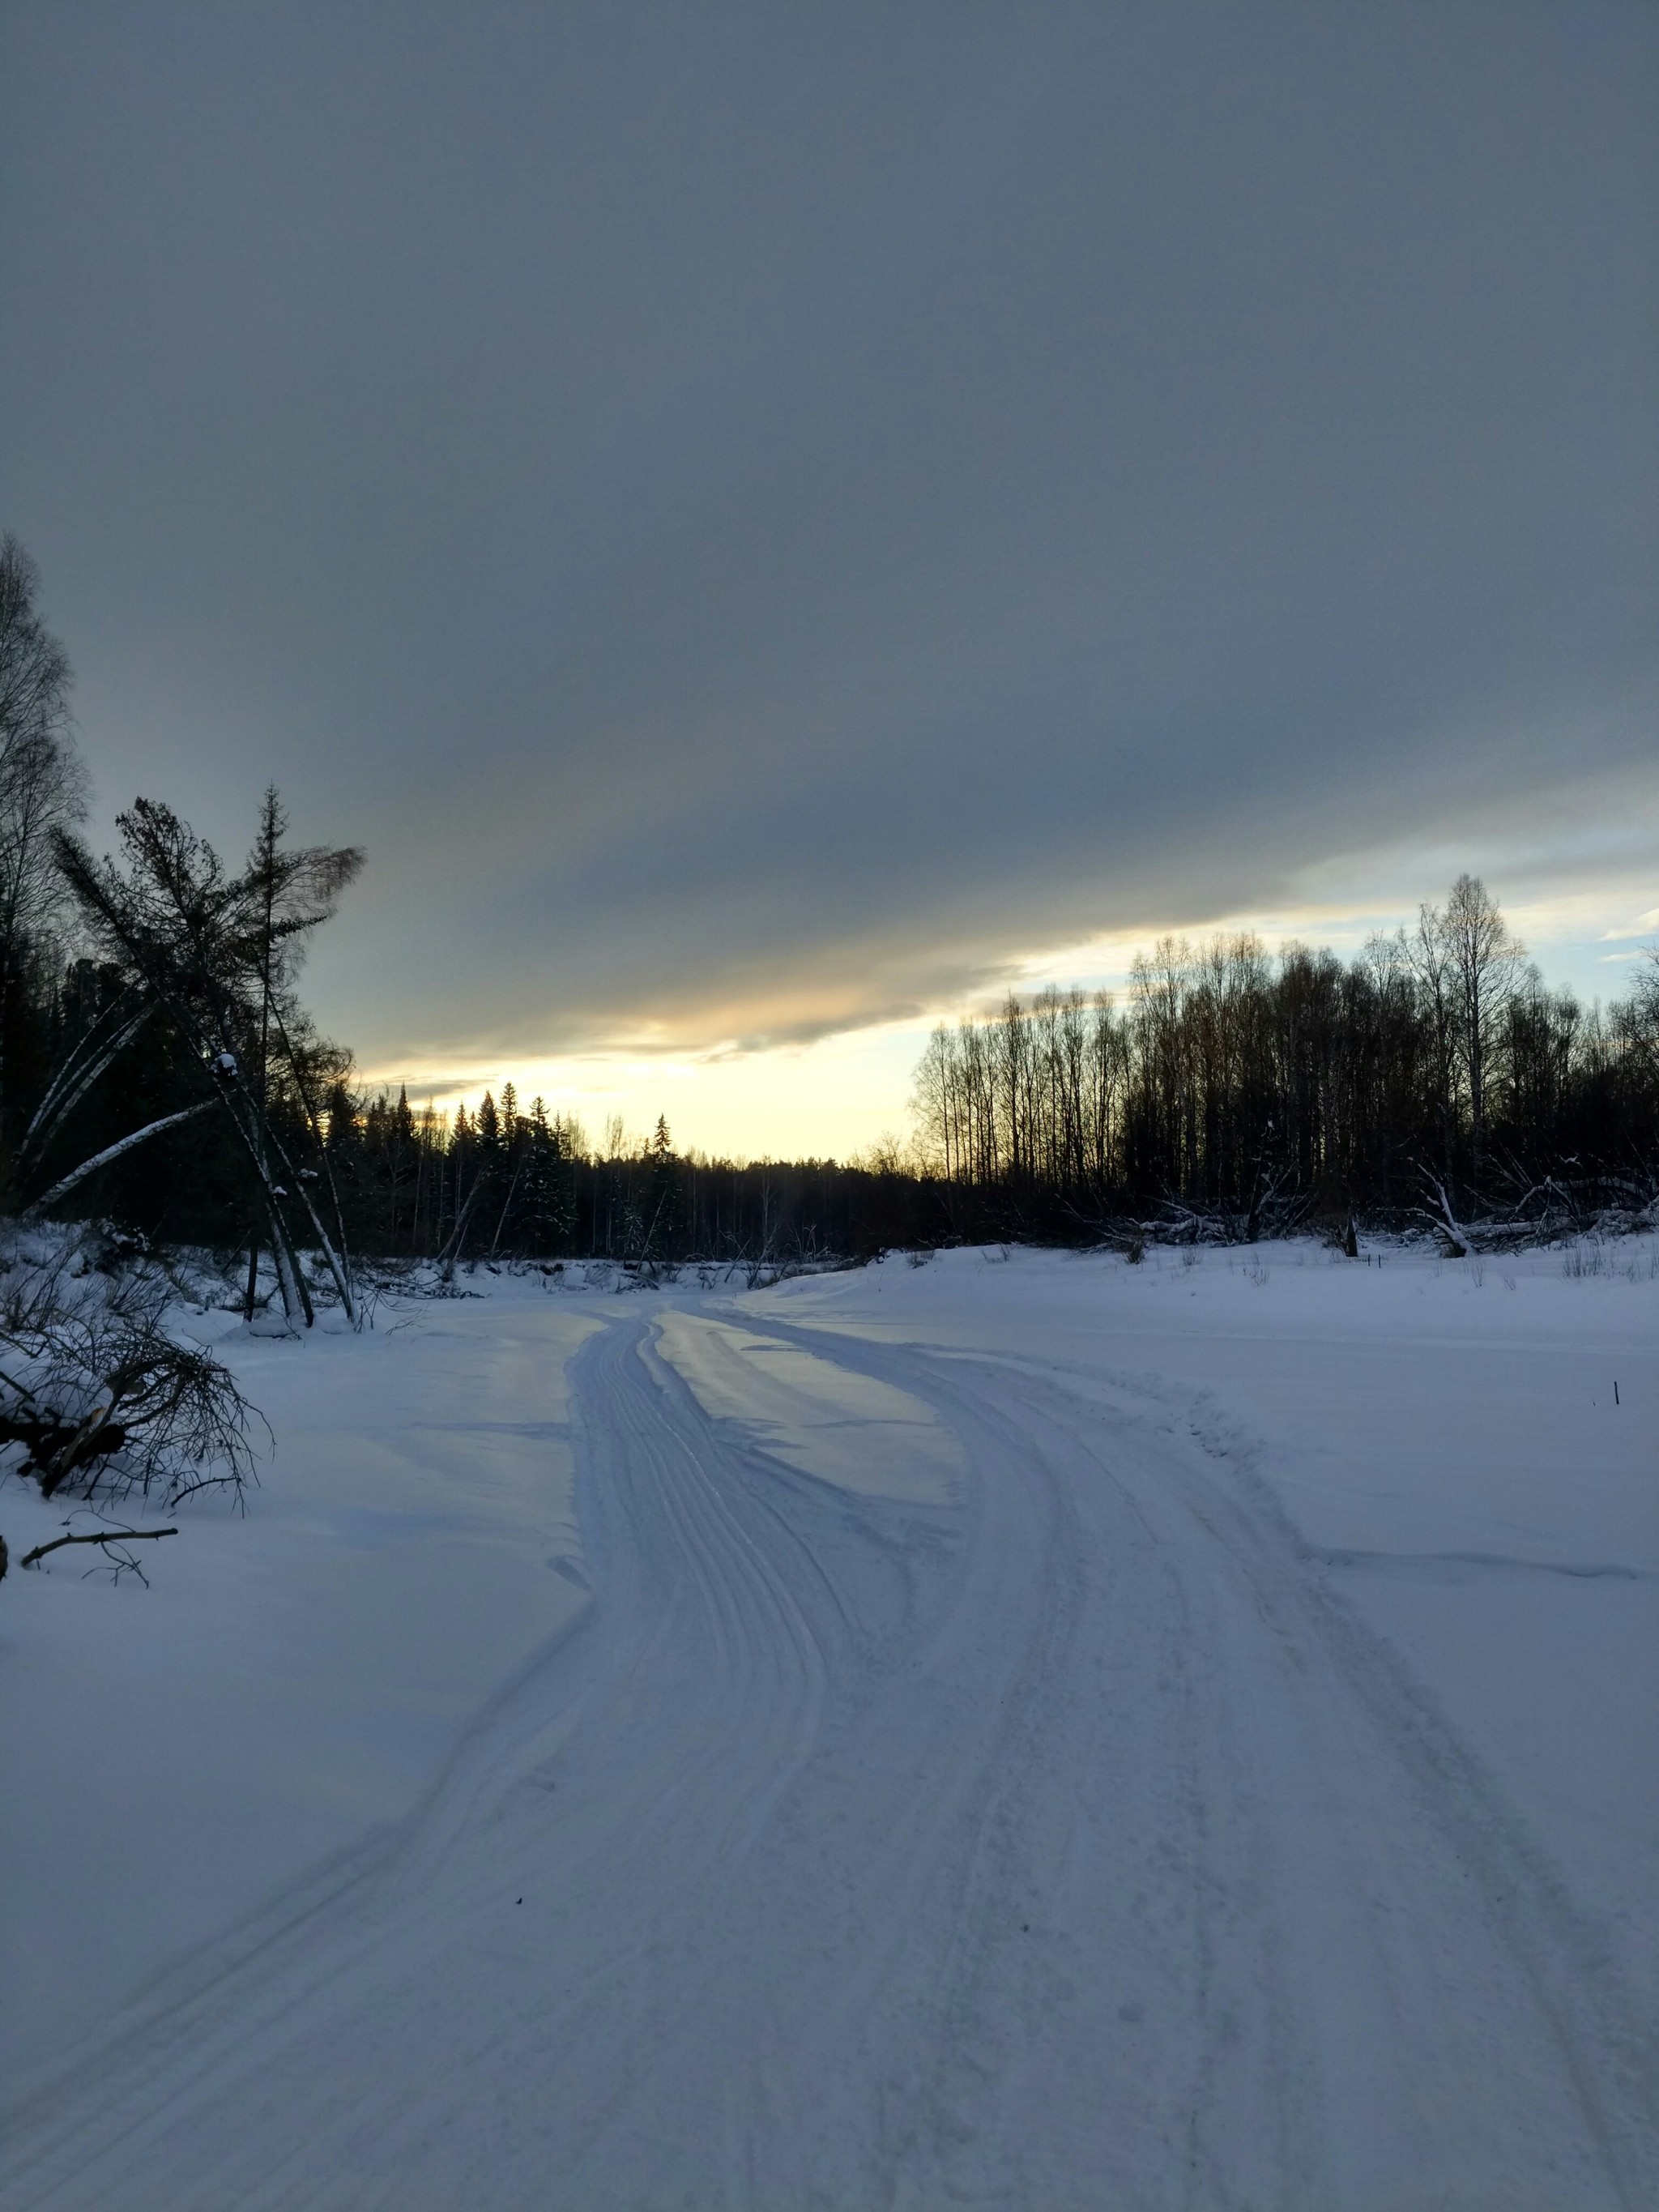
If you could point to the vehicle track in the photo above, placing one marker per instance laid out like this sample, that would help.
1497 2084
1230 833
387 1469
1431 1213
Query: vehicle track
1070 1844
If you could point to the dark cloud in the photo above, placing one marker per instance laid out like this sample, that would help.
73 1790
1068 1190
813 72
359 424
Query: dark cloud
751 515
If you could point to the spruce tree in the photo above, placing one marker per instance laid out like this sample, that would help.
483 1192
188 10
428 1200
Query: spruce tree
547 1209
665 1223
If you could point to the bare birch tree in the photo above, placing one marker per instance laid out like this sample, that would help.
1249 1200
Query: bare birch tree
42 782
1487 964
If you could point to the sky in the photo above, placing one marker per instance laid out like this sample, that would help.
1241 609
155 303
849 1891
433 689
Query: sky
775 525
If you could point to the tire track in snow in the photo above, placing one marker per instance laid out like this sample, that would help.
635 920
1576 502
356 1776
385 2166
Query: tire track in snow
1071 1845
1427 2013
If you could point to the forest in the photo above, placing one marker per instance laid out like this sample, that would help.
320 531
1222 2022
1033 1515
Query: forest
1436 1078
159 1074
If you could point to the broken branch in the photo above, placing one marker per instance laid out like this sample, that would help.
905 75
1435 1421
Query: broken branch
104 1536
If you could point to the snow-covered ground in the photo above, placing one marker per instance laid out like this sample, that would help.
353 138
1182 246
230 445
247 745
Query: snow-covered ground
1022 1730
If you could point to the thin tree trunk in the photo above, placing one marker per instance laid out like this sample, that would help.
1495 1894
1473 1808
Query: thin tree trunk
65 1184
77 1077
337 1261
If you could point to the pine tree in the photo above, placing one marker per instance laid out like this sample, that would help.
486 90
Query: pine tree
399 1157
547 1211
214 957
666 1221
462 1155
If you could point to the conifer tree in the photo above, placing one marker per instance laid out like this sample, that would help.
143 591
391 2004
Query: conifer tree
665 1222
215 955
546 1213
487 1135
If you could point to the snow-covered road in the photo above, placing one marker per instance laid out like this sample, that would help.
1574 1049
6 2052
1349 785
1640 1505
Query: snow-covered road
963 1784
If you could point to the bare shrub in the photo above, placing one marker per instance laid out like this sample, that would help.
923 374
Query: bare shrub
103 1401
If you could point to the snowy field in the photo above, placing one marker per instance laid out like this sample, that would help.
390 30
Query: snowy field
1024 1730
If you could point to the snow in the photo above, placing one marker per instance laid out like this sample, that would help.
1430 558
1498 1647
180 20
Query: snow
173 1756
827 1421
1023 1730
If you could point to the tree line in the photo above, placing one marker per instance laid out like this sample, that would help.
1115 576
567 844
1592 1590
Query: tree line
158 1069
1234 1090
500 1182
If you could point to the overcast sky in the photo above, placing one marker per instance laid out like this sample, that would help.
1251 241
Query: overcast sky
764 520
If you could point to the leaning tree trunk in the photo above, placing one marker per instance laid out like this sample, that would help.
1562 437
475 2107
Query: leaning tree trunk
252 1127
65 1184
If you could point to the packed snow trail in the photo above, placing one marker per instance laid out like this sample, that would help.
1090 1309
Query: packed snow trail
1058 1841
